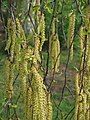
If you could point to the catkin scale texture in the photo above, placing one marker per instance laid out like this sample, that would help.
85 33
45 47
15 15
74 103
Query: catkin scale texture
70 35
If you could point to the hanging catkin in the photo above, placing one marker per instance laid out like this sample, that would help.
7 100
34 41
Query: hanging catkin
80 107
35 98
40 36
23 72
87 78
28 112
9 78
39 97
54 50
81 38
42 31
37 34
36 48
10 46
77 93
55 53
17 48
70 35
51 37
49 107
9 27
20 41
83 111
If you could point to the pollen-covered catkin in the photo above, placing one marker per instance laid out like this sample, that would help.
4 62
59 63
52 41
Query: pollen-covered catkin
9 35
42 31
9 67
81 38
49 107
40 36
28 112
55 53
54 49
83 98
10 46
20 40
79 112
39 96
36 49
70 35
87 78
77 93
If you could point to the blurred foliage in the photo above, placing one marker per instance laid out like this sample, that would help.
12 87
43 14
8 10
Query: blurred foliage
4 4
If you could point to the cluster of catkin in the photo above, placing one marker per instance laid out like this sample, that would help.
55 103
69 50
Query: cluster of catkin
41 103
16 38
82 111
25 61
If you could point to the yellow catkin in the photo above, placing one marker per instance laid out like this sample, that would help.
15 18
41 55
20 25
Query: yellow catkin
77 93
54 49
87 94
9 35
16 38
80 108
51 37
42 31
84 104
49 107
70 36
21 62
29 103
28 57
9 67
20 40
88 52
83 111
55 53
87 80
39 105
20 31
37 34
21 55
23 70
81 99
87 17
36 49
81 38
58 53
13 37
23 75
40 36
10 47
79 111
88 98
35 102
17 55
